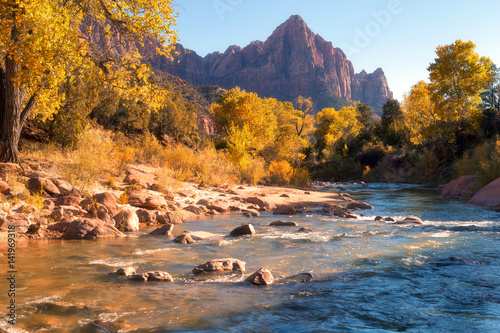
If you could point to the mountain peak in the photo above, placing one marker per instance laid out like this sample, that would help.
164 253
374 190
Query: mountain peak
293 61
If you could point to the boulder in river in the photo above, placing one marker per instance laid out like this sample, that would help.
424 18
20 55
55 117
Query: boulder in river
184 239
244 230
488 197
301 277
262 277
165 230
220 265
87 228
359 205
305 230
197 236
127 220
463 187
127 271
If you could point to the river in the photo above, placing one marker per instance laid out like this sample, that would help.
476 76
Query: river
369 276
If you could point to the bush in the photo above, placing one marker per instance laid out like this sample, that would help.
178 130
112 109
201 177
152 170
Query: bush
483 161
92 160
280 172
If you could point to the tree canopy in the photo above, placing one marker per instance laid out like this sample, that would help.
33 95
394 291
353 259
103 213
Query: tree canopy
43 42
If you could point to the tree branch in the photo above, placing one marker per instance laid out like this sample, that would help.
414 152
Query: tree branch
27 109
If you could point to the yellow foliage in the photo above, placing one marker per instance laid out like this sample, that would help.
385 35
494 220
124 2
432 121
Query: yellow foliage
421 114
280 172
333 125
458 76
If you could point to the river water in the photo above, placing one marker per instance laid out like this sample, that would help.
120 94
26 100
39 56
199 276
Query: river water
369 276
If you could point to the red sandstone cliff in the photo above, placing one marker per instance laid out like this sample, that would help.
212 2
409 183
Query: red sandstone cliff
292 61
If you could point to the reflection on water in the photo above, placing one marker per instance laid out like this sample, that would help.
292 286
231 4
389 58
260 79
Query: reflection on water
369 276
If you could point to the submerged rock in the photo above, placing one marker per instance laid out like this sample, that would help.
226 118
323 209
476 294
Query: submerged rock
301 277
251 213
151 276
189 237
262 277
359 205
305 230
452 261
284 224
410 220
220 265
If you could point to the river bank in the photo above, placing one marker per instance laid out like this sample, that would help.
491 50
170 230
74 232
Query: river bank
50 204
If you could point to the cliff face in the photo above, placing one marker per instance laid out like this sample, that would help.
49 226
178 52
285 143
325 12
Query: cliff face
293 61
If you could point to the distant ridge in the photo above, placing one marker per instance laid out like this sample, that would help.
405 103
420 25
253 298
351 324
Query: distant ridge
293 61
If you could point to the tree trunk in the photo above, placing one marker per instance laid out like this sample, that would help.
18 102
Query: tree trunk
10 125
12 113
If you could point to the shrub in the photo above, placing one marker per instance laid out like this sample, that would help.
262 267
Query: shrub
280 172
483 161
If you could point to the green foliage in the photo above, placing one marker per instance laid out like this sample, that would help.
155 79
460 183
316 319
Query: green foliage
483 161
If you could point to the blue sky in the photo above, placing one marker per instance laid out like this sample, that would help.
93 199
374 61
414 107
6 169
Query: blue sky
398 35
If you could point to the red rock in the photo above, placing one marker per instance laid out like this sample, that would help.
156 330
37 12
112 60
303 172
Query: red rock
68 201
263 204
463 187
488 197
39 184
108 200
168 218
10 168
146 200
166 230
86 228
262 277
219 206
220 265
127 220
293 61
4 187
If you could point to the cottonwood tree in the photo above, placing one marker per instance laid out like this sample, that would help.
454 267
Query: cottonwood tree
458 76
44 41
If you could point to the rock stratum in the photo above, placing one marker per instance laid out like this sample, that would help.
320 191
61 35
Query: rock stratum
293 61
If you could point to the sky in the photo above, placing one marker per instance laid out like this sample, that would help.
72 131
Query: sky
400 36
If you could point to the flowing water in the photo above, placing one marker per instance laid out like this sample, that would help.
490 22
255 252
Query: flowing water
369 276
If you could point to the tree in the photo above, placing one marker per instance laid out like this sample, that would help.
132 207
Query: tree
41 42
491 106
458 76
420 112
335 125
392 128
